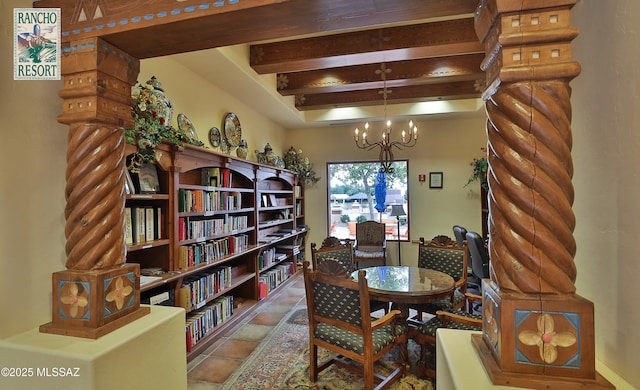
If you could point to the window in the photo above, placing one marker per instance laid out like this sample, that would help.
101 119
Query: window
352 198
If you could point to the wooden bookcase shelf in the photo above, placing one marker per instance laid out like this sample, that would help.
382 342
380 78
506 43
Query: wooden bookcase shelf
215 215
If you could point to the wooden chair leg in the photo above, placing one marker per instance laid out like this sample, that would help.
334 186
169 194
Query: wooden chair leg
368 375
404 358
313 362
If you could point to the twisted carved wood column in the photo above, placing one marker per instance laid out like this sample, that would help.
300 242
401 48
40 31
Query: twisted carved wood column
529 66
97 107
95 197
537 332
97 100
530 219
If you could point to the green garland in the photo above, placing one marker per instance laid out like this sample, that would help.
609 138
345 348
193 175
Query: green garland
150 129
294 161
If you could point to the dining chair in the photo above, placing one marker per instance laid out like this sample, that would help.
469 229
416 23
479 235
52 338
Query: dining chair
333 248
370 247
426 333
443 254
340 321
342 251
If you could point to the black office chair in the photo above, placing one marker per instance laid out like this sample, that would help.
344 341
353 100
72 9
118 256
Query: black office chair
479 258
460 234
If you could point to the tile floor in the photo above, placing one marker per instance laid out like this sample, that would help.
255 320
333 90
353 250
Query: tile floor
209 370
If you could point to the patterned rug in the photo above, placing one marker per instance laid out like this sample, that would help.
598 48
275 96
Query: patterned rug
281 361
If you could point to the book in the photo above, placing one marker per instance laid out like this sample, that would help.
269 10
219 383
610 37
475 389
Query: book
205 177
149 223
158 224
128 231
214 177
226 177
139 230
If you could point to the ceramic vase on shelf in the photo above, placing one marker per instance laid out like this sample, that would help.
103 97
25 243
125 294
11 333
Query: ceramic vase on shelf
162 105
267 156
241 151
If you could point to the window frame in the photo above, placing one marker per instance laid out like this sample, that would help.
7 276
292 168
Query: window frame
334 219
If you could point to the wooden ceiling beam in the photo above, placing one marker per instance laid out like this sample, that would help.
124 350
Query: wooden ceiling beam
371 97
403 73
425 40
170 27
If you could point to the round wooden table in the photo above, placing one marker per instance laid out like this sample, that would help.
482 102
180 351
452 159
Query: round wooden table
403 285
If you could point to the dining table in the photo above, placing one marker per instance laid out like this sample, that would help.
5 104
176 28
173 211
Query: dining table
406 285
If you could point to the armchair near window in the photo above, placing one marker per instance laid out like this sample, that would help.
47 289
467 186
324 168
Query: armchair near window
340 321
371 244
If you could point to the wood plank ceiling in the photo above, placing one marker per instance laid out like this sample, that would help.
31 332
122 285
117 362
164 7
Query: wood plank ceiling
419 62
326 53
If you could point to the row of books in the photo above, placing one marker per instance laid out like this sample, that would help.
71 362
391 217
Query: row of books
210 251
204 201
201 322
216 177
197 289
143 224
272 278
193 229
268 257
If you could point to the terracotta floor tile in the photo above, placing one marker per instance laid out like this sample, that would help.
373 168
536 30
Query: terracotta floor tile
267 318
214 369
202 385
251 332
215 345
238 349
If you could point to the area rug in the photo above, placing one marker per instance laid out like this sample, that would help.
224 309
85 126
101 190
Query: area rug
281 361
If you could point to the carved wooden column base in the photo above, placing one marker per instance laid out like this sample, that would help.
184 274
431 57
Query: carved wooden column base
538 341
90 304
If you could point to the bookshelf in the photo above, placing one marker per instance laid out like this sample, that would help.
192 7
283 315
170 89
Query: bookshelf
222 217
147 234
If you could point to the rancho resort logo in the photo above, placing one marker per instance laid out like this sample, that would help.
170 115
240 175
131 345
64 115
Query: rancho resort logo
36 46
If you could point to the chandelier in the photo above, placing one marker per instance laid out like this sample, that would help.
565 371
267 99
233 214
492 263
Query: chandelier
386 145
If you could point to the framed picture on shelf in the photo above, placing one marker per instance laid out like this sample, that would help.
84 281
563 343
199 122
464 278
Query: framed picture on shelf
435 179
274 201
148 179
265 201
129 188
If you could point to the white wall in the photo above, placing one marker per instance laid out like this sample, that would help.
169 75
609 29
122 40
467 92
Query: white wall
606 133
32 156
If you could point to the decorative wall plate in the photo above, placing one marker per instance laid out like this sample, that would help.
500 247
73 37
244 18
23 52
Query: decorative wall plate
214 137
232 129
185 125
